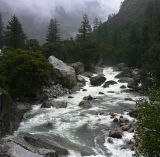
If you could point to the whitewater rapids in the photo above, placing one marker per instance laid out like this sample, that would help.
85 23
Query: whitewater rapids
85 128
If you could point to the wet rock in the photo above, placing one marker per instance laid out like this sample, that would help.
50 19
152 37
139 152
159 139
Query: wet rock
108 83
134 113
80 79
89 98
97 80
131 130
110 140
132 84
63 73
124 120
70 97
122 124
56 104
128 99
110 91
115 120
101 93
112 114
85 104
123 87
75 89
8 113
84 90
51 154
60 104
79 67
126 127
116 134
125 73
40 144
88 74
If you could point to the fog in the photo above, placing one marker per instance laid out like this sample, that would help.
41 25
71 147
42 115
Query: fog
35 14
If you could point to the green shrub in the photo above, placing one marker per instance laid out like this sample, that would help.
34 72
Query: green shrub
24 73
148 130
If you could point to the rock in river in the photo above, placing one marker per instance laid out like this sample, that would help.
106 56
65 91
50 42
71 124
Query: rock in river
97 80
108 83
85 104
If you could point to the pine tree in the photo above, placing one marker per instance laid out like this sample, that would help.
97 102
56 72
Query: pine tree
85 29
14 35
96 23
53 34
1 32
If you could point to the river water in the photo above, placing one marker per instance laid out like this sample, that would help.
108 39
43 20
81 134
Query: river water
80 129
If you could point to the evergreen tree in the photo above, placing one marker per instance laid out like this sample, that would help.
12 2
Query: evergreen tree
53 34
14 35
96 23
1 32
85 29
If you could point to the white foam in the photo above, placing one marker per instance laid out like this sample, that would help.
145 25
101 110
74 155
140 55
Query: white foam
70 118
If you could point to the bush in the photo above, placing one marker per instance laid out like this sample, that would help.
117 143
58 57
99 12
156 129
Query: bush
24 73
148 130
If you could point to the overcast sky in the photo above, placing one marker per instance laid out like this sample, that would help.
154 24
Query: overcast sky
47 8
35 14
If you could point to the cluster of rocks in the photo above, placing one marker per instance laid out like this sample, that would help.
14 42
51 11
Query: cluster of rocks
55 91
131 76
123 125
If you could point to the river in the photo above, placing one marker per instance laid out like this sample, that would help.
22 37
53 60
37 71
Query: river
77 128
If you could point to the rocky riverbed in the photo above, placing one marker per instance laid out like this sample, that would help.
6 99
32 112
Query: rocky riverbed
93 121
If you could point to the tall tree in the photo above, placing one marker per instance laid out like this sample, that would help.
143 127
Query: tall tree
14 35
96 24
53 33
85 29
1 32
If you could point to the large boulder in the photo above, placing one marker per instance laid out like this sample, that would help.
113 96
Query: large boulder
79 67
63 73
39 144
7 113
11 114
97 80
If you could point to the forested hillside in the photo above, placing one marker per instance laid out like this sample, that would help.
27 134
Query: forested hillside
133 35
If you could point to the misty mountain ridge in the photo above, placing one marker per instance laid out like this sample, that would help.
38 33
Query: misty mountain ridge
35 21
